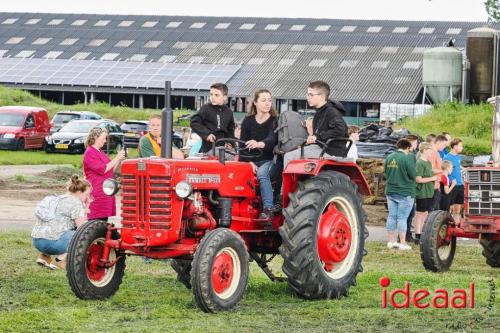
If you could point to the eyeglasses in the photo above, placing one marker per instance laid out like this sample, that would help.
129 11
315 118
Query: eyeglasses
311 94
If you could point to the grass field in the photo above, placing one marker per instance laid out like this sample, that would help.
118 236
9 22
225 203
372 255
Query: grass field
34 299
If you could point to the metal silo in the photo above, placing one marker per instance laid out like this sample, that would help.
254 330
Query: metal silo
481 52
442 73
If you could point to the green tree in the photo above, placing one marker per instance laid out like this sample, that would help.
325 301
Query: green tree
493 10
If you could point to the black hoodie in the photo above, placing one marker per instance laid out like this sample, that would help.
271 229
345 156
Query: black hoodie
213 119
328 122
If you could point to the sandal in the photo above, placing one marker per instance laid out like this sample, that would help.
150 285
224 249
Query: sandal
45 260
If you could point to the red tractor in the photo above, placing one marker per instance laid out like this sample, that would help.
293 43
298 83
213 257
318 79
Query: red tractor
481 220
203 214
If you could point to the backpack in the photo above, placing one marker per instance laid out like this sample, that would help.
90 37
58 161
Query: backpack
292 132
46 209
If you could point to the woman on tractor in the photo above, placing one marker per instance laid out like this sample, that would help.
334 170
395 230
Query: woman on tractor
257 130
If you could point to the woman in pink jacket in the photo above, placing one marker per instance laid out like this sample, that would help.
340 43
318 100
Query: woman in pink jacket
97 167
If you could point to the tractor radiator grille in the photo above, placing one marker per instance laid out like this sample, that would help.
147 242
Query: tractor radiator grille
146 201
483 192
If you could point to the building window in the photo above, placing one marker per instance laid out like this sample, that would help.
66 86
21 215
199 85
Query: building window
419 50
272 27
41 41
181 45
374 29
400 30
225 60
256 61
317 62
69 41
389 49
239 46
222 26
286 62
196 60
79 22
359 49
15 40
269 47
329 48
101 23
426 31
96 42
323 27
80 55
109 56
52 54
209 46
173 24
453 31
10 21
25 54
55 22
297 27
152 44
197 25
380 64
298 48
126 23
166 58
124 43
411 65
138 57
149 24
348 28
247 26
348 63
33 21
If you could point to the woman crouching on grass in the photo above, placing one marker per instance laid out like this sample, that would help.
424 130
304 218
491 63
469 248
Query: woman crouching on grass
51 235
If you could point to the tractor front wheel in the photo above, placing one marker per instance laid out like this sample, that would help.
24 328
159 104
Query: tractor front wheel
87 275
323 236
219 273
183 269
491 251
437 247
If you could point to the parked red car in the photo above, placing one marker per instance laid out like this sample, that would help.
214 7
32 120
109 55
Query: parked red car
23 127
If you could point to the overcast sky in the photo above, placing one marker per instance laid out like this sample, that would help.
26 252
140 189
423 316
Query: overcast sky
421 10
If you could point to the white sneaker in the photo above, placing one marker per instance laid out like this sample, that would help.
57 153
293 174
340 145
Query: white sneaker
404 247
392 245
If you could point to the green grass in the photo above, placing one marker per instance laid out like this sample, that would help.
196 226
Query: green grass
471 123
34 299
9 96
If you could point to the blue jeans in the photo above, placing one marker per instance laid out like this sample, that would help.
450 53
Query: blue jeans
399 209
54 247
266 189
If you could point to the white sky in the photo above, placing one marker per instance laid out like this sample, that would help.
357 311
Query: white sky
421 10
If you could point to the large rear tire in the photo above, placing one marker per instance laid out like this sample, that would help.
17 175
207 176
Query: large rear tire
219 273
87 279
436 249
183 269
491 251
323 236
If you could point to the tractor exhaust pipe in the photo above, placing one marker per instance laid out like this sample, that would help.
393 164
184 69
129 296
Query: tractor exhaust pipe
167 124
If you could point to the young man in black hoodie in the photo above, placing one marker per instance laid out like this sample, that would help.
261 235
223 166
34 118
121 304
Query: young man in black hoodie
328 122
214 120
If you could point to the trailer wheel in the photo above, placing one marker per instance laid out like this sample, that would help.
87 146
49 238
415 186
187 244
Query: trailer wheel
323 236
219 273
437 248
87 278
491 251
183 269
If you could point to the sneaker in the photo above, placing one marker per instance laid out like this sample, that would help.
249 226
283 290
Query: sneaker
392 245
404 247
45 260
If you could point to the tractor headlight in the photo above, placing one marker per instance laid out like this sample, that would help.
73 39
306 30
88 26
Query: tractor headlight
110 186
183 189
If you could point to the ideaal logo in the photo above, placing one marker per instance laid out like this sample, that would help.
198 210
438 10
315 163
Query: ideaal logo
423 298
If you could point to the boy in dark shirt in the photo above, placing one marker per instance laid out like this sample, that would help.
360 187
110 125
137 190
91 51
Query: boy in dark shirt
214 120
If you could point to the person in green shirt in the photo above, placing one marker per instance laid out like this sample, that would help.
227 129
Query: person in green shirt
425 188
399 170
150 143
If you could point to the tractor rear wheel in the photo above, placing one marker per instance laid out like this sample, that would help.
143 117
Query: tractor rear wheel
219 273
491 251
183 269
88 278
437 249
323 236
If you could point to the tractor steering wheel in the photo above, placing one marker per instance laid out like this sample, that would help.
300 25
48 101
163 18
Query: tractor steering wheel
238 146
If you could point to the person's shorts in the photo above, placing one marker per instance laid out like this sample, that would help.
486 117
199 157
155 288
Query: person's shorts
424 205
457 195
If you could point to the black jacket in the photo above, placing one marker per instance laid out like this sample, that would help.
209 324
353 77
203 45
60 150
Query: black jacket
213 119
328 122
